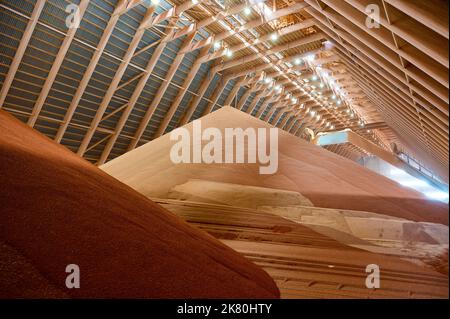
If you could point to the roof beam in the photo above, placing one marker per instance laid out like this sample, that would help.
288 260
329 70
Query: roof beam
90 69
292 126
432 15
280 48
193 105
51 76
418 35
254 87
400 115
290 29
382 67
380 40
273 100
404 124
160 93
195 26
115 82
129 106
26 36
265 66
257 98
241 80
423 65
173 12
283 122
250 25
393 102
177 101
216 95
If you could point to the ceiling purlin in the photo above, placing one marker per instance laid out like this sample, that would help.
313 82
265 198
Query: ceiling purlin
387 73
421 82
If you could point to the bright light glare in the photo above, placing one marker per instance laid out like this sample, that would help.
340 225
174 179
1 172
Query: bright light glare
436 195
412 182
265 10
397 172
404 179
311 58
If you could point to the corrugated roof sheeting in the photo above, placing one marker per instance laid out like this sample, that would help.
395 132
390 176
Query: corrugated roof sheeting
289 121
249 101
226 91
11 31
94 21
33 69
67 81
22 6
106 70
45 44
171 93
149 89
161 69
204 102
72 69
281 118
258 105
54 13
267 110
239 95
274 115
76 62
178 79
195 85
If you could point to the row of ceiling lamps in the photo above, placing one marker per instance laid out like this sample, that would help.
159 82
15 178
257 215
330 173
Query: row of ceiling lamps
229 53
311 94
274 37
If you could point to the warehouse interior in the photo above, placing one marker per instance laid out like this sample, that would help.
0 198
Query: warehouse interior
91 91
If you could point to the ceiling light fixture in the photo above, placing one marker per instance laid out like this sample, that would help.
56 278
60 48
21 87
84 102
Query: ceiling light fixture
310 58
